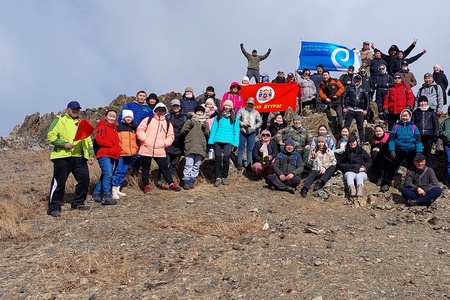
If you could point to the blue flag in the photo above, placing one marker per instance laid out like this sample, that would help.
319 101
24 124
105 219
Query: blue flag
333 57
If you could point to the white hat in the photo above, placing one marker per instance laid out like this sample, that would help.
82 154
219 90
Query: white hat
127 113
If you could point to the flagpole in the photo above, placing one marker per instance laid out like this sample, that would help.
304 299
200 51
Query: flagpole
78 126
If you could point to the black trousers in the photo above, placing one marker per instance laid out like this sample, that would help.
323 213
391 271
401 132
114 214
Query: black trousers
62 167
222 159
146 162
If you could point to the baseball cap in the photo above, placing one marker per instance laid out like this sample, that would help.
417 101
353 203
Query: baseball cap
73 104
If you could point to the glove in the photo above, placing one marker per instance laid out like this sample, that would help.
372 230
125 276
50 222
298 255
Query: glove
408 107
392 155
242 45
269 50
386 111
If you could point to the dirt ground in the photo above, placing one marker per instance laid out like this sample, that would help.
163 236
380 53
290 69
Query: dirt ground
209 243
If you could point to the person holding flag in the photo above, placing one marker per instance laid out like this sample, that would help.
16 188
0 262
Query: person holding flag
72 152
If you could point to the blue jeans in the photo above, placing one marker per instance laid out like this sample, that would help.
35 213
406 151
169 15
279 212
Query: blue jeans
249 141
121 170
104 183
429 197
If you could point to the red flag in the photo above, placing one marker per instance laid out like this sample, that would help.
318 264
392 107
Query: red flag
84 129
270 97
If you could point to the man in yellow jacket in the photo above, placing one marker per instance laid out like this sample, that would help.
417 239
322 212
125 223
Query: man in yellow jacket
69 156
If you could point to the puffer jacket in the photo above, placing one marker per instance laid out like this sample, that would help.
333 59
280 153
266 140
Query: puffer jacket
398 97
426 121
224 131
405 137
330 88
155 135
237 100
353 159
188 105
108 140
127 139
287 163
252 117
308 88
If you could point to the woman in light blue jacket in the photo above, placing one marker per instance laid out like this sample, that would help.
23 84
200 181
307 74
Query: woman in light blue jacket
224 136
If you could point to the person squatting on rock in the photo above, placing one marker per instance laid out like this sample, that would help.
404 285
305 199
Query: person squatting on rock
195 132
404 142
287 168
253 62
323 164
156 134
264 153
128 143
421 186
224 135
69 156
354 163
250 121
107 154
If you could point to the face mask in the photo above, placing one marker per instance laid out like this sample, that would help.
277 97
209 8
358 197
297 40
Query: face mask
188 95
404 69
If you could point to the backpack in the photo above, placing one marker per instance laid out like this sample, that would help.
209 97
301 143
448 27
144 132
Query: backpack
150 119
396 126
295 157
435 87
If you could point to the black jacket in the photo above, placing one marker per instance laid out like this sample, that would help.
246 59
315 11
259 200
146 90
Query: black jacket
355 97
426 121
353 159
287 163
177 121
272 150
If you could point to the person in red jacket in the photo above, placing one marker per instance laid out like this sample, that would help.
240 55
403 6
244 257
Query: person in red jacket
398 98
107 154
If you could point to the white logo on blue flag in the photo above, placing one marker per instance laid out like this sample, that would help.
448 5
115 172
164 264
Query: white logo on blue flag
333 57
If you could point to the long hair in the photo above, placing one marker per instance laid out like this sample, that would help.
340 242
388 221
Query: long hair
232 116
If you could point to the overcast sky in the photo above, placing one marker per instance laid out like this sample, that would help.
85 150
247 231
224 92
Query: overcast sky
54 51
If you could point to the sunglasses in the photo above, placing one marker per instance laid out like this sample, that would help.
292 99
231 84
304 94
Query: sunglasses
397 78
381 68
235 87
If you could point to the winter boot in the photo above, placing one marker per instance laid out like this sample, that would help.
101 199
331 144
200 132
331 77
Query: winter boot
120 193
359 190
114 193
352 190
304 192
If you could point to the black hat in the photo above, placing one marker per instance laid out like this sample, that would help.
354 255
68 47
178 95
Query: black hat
319 66
153 96
357 76
351 68
199 108
210 89
419 156
352 137
73 104
423 99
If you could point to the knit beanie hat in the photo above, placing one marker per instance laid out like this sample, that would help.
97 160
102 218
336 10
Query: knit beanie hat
322 139
189 89
199 108
289 142
127 113
228 102
211 101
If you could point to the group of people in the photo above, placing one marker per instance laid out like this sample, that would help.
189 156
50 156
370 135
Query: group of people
281 153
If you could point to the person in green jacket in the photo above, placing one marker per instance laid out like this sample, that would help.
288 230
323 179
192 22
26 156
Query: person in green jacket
253 62
69 156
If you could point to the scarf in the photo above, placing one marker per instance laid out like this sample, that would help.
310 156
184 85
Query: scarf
200 119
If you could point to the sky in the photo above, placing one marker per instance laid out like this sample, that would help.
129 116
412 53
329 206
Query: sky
55 51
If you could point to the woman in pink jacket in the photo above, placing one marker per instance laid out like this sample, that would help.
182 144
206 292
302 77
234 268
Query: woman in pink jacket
234 96
155 134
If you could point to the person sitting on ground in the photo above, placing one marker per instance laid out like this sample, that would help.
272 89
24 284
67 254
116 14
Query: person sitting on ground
250 122
107 154
323 164
224 135
329 138
379 154
427 122
276 124
287 169
341 142
299 135
404 142
234 96
421 186
195 132
264 152
354 163
156 134
128 143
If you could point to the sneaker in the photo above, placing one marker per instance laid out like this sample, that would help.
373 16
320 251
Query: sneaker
290 190
55 213
384 188
412 202
224 181
187 184
146 189
174 187
304 192
108 200
319 184
96 198
217 182
80 207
